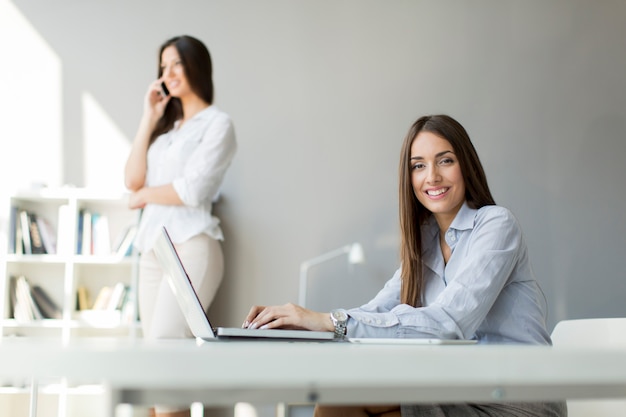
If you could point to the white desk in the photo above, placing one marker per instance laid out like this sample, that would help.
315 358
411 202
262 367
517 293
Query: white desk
223 373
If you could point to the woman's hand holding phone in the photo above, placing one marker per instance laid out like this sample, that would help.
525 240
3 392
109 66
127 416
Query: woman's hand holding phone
156 99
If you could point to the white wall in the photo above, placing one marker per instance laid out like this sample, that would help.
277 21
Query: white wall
322 93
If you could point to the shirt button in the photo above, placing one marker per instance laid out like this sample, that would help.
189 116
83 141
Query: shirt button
378 321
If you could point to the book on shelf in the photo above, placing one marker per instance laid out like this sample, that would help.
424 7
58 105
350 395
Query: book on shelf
100 234
124 243
128 309
85 227
12 295
79 233
25 228
102 299
117 297
48 308
110 307
111 298
13 230
22 311
19 245
16 227
25 308
36 242
93 236
83 301
48 235
30 233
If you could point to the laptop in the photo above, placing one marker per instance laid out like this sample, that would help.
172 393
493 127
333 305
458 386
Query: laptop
195 314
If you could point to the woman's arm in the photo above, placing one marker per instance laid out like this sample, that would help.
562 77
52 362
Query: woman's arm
205 169
291 316
136 164
163 194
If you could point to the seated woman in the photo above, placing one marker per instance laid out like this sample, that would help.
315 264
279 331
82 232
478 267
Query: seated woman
464 274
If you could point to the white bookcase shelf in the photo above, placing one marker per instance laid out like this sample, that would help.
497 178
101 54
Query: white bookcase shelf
62 273
70 265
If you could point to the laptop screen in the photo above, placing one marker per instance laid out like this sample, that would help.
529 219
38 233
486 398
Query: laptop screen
182 287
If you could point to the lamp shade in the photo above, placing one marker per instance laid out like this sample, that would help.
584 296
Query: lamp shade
356 255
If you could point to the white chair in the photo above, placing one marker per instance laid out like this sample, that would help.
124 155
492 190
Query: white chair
609 332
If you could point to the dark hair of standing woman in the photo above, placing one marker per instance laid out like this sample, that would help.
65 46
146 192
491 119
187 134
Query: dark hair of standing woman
413 213
196 61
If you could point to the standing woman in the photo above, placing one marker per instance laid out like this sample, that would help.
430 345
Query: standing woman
464 273
176 165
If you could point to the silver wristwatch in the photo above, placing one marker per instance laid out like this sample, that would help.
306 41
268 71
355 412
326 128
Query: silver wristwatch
340 321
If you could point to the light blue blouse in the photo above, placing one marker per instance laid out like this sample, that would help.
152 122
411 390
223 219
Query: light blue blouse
487 291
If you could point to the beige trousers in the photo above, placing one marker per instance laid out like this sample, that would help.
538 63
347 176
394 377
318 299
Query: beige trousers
159 312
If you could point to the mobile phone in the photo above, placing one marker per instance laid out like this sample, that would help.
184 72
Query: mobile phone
164 91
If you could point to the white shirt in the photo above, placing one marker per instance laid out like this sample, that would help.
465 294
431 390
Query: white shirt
194 160
487 291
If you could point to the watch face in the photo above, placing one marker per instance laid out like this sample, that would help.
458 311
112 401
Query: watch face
339 315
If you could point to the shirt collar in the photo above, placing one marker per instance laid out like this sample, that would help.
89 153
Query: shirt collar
431 255
203 114
464 219
206 113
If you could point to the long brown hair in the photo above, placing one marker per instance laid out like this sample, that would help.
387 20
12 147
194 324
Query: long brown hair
198 69
413 214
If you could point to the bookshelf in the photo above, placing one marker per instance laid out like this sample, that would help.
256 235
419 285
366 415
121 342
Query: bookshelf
63 243
78 241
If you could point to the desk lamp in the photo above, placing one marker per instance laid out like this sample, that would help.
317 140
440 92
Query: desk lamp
355 256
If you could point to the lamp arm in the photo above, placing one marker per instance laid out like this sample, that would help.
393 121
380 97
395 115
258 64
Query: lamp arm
304 268
325 257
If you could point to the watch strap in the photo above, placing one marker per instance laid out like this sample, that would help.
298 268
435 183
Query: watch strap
340 329
341 326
